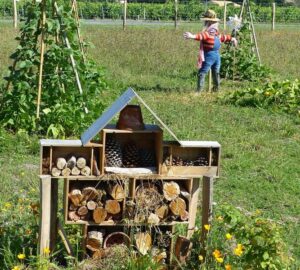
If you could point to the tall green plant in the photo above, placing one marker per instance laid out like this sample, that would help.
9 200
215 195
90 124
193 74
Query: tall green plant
241 63
62 107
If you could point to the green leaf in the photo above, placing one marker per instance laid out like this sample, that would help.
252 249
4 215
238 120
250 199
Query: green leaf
46 111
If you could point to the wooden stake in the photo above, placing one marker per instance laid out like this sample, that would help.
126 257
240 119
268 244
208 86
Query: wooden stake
15 14
209 80
273 15
41 59
65 240
124 14
176 13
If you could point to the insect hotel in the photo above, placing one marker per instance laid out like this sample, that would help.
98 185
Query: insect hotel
125 185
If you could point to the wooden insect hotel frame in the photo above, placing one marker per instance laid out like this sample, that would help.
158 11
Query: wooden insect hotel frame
125 180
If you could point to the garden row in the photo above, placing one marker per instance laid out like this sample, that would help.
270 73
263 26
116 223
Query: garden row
188 11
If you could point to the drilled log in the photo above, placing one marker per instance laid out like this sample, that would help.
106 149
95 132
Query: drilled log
112 207
55 172
61 163
86 171
99 215
171 190
91 205
75 171
81 162
143 242
117 192
178 206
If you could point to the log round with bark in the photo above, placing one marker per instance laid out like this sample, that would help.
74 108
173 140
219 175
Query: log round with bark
75 197
99 215
90 193
91 205
178 206
75 171
143 242
117 192
55 172
82 211
171 190
162 211
71 162
81 162
61 163
112 207
73 216
86 171
66 172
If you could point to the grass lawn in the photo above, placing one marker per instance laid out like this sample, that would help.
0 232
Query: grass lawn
260 148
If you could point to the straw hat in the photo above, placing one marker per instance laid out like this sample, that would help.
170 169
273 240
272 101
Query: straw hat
210 15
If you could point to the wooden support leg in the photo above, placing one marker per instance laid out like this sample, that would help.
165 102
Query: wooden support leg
193 206
48 215
207 197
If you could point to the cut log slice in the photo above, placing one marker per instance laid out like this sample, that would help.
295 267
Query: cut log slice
162 211
112 207
99 215
171 190
91 205
177 206
184 216
75 197
81 162
55 172
90 193
143 242
117 192
82 211
61 163
86 171
66 172
75 171
73 216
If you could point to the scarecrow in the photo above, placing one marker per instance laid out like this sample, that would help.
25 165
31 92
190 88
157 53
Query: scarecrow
210 43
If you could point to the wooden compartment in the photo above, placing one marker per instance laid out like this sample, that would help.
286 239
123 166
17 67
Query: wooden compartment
159 201
201 159
132 149
157 241
54 161
98 202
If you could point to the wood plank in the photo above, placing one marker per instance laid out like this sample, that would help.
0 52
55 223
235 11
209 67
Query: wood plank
54 207
65 240
207 199
193 206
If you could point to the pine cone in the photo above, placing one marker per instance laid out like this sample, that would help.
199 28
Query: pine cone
113 153
131 155
147 158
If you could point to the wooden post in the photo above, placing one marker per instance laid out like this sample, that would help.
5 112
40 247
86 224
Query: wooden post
15 14
209 80
273 15
193 206
42 51
48 215
124 14
176 14
144 14
207 199
225 15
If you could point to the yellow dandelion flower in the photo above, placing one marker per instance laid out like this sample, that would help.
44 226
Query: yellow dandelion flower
200 258
217 253
46 251
228 236
7 205
21 256
220 218
227 267
238 251
220 260
16 268
207 227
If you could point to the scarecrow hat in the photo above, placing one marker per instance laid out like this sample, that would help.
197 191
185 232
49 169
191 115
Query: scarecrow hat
210 15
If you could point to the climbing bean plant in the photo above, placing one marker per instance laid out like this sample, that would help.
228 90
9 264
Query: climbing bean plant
63 108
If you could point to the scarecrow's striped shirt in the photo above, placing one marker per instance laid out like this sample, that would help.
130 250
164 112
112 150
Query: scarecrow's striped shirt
208 40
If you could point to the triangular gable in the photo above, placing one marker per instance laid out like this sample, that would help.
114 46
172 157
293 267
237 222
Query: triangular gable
115 108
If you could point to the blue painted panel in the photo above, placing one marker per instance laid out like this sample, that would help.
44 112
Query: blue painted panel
107 116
